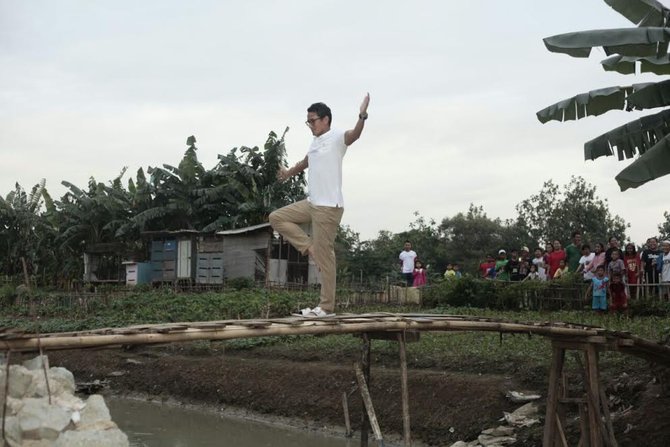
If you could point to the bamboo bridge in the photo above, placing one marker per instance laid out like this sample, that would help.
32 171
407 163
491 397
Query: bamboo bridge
587 341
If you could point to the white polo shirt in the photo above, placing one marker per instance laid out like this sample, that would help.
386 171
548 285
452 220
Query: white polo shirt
324 178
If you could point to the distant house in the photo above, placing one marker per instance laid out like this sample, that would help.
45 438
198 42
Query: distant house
254 252
173 255
259 253
103 263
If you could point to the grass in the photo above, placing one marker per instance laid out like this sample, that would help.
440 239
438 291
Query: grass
460 351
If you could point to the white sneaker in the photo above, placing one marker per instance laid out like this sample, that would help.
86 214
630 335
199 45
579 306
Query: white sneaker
302 312
317 312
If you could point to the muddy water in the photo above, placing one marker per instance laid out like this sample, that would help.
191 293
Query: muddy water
150 424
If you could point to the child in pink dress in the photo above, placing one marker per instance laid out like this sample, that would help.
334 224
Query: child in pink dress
419 274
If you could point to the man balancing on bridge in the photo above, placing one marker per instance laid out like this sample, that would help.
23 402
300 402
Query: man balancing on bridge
324 206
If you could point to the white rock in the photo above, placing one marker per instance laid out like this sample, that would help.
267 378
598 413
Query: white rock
39 420
13 431
20 382
37 363
106 438
495 441
63 377
95 410
501 430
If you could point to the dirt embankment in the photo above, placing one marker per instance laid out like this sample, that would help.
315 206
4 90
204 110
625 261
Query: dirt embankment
444 407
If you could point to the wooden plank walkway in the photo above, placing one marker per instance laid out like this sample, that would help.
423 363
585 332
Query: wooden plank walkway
18 341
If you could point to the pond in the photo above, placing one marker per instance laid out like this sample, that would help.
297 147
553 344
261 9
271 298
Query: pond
150 424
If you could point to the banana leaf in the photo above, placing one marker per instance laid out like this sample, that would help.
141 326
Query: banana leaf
655 95
651 165
593 103
635 137
645 41
626 64
641 12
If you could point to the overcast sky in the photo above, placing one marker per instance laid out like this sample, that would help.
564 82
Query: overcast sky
88 87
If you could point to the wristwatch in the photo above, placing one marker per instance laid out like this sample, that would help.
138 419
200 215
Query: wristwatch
363 116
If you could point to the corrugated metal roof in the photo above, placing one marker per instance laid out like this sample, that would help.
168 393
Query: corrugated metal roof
244 230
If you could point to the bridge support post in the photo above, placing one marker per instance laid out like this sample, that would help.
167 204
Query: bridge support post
365 366
595 422
407 436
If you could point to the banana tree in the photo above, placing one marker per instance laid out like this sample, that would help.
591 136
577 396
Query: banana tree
24 232
640 49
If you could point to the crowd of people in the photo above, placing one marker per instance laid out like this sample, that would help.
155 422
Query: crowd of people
610 271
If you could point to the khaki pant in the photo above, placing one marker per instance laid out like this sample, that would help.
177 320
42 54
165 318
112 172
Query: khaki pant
325 221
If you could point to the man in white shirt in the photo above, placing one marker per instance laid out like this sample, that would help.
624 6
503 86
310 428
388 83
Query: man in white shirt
407 257
325 205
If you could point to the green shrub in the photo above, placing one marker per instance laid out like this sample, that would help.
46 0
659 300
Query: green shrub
241 283
7 295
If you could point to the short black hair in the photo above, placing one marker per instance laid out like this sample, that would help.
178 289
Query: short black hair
321 110
575 233
586 246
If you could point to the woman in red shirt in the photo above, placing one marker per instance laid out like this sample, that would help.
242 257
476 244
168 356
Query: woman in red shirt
554 258
633 268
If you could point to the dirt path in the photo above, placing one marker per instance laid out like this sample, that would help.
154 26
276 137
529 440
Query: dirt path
445 407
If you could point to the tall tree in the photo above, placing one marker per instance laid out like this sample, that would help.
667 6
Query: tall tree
472 235
664 228
24 233
554 213
644 48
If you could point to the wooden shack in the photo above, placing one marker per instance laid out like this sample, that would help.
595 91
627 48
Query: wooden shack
103 263
173 255
246 252
210 259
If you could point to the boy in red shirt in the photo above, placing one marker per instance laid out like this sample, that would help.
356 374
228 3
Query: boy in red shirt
618 297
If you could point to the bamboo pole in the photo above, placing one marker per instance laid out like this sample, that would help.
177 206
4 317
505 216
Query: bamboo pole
407 436
180 333
345 408
593 394
365 365
550 426
367 400
608 419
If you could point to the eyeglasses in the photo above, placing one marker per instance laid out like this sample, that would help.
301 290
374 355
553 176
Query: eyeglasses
310 122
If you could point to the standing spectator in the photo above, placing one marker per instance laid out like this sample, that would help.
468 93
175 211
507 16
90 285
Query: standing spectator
407 257
598 259
573 251
501 265
548 250
587 258
419 274
613 245
633 270
616 265
664 269
599 287
618 297
532 274
450 273
538 262
649 258
555 258
561 270
457 269
486 266
512 267
524 262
